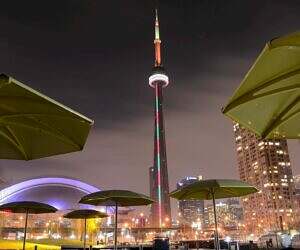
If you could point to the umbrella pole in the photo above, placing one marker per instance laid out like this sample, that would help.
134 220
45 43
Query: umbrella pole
25 229
217 246
116 226
84 235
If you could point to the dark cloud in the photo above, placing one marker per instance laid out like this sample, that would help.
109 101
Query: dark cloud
96 56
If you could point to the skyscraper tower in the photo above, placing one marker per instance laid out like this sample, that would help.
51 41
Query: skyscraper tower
266 165
159 185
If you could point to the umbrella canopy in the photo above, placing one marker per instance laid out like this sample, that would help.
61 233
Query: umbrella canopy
211 190
268 99
30 207
205 189
85 214
122 198
33 125
27 207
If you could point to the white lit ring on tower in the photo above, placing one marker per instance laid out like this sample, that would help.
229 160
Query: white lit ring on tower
158 77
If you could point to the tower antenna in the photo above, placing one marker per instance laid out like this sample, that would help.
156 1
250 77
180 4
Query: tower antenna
157 41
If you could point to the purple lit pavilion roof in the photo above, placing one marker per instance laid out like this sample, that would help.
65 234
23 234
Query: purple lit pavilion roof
60 192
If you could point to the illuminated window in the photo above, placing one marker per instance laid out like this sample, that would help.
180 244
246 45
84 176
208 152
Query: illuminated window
238 138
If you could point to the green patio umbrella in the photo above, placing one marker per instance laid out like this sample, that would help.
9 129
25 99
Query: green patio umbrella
27 207
85 214
268 100
116 198
33 125
212 190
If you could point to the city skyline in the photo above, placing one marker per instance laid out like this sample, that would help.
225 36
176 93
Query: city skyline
102 73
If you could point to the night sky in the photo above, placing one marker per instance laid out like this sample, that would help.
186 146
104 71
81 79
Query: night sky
96 56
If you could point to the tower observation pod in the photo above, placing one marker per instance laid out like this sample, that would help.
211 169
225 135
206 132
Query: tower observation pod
158 75
159 184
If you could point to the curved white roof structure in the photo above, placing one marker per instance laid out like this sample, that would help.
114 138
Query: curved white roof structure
15 189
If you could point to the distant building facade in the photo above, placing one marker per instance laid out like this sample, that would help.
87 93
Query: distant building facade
229 214
266 165
190 211
297 184
297 199
297 189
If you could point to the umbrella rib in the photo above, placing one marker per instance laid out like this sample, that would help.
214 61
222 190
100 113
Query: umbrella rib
46 98
58 134
250 95
228 190
16 145
39 114
276 91
275 123
192 192
109 199
20 146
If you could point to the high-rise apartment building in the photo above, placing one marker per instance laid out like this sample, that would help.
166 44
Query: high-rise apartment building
266 165
190 211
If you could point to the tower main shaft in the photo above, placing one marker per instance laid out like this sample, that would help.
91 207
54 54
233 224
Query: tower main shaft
159 183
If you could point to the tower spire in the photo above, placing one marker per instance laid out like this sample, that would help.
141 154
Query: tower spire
157 41
156 25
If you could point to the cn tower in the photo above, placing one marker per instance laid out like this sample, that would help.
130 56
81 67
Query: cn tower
159 183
